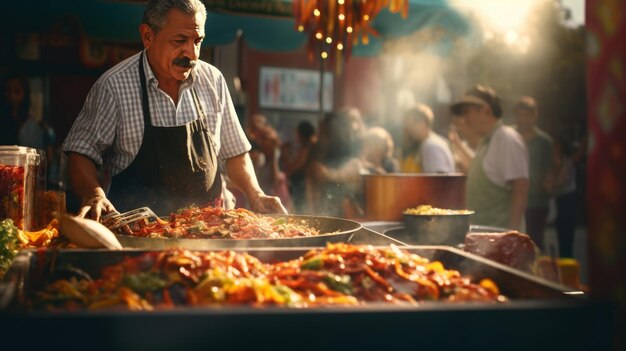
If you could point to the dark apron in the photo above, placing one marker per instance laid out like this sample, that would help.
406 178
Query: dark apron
174 168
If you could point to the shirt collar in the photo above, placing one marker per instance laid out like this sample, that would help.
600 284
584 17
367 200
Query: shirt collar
497 126
151 78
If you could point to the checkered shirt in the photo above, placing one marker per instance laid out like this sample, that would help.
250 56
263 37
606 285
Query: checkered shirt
109 129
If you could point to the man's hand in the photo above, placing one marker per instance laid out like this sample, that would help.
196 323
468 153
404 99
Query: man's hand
83 177
94 206
241 173
454 137
267 204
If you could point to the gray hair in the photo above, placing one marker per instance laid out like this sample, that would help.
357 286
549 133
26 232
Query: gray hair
157 10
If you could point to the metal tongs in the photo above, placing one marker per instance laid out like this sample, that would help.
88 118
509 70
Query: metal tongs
116 220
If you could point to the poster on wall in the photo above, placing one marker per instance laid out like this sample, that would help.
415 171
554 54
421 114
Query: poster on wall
294 89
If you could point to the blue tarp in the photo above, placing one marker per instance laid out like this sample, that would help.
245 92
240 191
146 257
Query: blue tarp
118 22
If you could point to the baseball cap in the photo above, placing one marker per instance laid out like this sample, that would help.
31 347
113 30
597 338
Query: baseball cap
479 96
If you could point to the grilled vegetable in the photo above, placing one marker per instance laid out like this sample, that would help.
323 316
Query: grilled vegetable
144 281
9 244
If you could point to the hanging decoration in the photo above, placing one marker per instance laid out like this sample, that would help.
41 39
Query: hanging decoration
334 26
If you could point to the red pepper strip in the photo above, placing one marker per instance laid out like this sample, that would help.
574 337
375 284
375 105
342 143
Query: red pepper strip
242 265
167 299
423 282
405 297
241 295
377 278
192 297
374 294
185 273
133 301
288 273
303 284
322 289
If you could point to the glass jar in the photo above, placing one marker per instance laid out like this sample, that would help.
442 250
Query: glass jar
20 182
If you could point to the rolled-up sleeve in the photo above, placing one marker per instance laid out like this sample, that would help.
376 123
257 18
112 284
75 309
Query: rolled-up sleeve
94 128
233 139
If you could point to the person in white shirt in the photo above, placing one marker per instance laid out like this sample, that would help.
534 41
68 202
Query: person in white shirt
424 150
497 181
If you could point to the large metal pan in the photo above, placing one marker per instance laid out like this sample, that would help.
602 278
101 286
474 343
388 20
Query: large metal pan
331 230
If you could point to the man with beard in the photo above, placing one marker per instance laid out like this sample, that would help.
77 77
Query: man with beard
156 127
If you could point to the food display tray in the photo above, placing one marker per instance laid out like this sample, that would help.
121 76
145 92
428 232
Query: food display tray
31 270
538 313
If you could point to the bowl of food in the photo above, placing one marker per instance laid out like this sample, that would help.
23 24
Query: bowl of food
427 225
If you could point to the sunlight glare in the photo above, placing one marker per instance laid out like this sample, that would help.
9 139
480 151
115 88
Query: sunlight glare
499 15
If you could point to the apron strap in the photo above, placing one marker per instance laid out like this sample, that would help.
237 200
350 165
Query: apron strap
145 104
203 117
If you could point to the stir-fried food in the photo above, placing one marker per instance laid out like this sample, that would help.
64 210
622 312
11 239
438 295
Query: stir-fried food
40 238
340 274
217 223
12 194
427 210
9 243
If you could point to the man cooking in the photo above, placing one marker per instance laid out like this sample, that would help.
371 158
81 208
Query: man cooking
160 124
497 180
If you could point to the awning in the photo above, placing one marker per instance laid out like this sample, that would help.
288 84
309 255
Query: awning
264 26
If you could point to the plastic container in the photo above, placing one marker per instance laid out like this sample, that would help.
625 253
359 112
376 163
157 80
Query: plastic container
20 183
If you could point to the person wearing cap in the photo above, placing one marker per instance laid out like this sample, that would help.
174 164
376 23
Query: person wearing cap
162 124
539 145
424 150
497 180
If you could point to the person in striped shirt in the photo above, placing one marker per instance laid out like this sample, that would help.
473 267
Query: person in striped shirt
159 128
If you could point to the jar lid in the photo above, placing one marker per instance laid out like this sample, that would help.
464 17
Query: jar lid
20 155
18 149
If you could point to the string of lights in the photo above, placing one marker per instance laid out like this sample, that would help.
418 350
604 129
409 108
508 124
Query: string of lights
335 26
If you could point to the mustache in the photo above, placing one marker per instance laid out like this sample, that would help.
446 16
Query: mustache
184 62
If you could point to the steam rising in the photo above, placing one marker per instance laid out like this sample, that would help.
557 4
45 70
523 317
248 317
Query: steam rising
433 66
497 15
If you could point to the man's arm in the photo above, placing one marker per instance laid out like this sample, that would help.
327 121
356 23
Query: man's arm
519 199
462 153
93 132
241 172
83 177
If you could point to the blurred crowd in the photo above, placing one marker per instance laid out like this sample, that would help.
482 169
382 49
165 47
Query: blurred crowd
319 169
